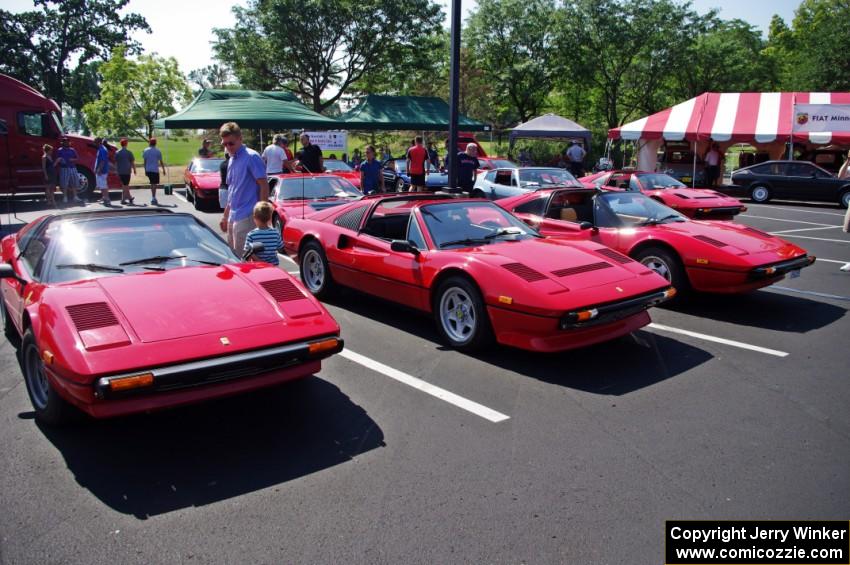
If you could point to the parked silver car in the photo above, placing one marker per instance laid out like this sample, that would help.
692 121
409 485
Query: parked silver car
502 183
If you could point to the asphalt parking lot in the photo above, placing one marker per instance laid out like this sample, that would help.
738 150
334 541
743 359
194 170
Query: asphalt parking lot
403 451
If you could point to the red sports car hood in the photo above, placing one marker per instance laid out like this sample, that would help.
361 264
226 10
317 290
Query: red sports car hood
694 198
735 238
570 265
207 180
303 208
191 301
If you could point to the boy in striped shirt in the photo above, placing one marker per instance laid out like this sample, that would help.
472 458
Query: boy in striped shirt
265 234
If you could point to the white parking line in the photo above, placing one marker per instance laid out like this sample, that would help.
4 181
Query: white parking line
809 292
450 397
723 340
818 238
822 260
796 210
803 229
790 221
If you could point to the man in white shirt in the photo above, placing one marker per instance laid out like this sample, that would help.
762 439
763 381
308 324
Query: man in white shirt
575 156
712 165
274 156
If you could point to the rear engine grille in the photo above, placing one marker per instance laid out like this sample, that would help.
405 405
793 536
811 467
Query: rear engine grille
614 255
582 269
758 232
282 290
710 240
92 316
525 272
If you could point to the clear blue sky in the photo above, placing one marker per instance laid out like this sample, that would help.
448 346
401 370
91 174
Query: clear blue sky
183 28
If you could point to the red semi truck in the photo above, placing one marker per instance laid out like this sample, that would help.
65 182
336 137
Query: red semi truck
28 121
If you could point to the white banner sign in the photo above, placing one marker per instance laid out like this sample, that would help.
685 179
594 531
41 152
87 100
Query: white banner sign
821 117
330 140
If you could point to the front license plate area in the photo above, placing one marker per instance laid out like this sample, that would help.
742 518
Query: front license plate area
794 274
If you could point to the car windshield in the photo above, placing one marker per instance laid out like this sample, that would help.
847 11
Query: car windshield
634 209
113 245
316 188
332 165
530 178
503 164
659 180
206 165
464 224
401 166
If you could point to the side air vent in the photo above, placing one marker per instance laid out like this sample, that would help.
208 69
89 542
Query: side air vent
680 195
92 316
570 271
525 272
282 290
614 255
710 240
351 219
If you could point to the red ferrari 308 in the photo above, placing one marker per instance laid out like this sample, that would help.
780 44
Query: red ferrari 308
477 269
343 170
720 257
203 178
132 310
692 202
298 195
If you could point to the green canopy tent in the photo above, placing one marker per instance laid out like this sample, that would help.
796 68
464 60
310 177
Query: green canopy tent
252 109
425 113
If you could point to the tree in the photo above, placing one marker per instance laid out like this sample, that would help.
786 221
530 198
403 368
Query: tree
511 42
816 50
320 48
135 93
38 45
625 51
211 76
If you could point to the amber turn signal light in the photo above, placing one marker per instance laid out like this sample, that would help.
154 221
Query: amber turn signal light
127 383
322 346
670 292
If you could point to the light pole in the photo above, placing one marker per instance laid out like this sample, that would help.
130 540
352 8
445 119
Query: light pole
454 94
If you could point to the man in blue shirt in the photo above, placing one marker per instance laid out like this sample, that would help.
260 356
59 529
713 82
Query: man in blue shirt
246 185
101 170
371 173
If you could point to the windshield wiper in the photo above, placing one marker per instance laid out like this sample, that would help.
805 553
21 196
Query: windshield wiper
503 231
467 241
163 258
430 213
653 221
91 267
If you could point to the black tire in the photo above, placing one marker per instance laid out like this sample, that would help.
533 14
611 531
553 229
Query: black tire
190 193
666 264
844 199
315 273
9 329
760 193
277 224
87 184
458 294
50 408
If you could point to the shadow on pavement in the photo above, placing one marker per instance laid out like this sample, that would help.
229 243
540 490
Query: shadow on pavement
764 310
155 463
616 367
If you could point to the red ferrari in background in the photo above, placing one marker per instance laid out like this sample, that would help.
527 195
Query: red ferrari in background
477 269
488 163
344 170
123 311
298 195
202 177
692 202
721 257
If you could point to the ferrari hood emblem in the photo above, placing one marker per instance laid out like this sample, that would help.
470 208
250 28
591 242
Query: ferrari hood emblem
619 289
224 341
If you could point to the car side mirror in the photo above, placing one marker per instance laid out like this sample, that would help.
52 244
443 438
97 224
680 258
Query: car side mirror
8 272
585 225
403 246
256 247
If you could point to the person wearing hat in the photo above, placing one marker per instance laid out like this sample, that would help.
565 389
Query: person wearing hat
125 164
153 161
205 150
69 178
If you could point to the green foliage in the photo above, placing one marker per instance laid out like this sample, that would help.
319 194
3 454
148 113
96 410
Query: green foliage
38 45
509 44
317 47
135 93
211 76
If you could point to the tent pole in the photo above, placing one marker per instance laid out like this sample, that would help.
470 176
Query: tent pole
694 176
791 133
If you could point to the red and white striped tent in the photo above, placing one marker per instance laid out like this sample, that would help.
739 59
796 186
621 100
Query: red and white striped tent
734 117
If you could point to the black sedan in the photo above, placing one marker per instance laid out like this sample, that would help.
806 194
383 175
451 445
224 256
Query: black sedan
790 180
